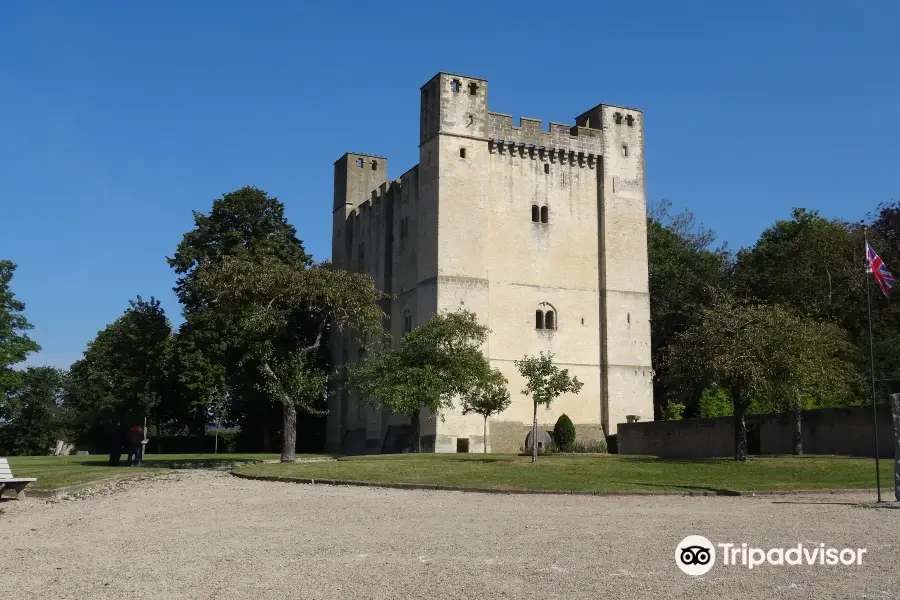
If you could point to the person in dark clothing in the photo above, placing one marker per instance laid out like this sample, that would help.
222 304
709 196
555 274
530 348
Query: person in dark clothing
134 438
115 445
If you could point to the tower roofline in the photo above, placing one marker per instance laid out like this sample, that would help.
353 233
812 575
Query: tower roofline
439 73
615 105
346 154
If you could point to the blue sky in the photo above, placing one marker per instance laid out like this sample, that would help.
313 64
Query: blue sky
117 119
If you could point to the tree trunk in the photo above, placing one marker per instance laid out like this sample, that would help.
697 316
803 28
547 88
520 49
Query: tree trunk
534 436
415 438
485 435
289 432
798 429
740 431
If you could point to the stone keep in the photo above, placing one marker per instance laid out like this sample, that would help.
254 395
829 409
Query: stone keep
540 233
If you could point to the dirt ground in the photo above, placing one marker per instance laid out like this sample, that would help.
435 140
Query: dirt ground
207 535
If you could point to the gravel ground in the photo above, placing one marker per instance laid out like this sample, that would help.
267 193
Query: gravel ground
207 535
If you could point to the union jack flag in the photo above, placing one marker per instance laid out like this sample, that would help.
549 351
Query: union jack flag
879 270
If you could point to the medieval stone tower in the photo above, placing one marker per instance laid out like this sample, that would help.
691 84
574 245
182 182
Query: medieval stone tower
540 233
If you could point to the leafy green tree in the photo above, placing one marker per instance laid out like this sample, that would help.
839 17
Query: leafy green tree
486 398
280 315
544 382
15 345
121 378
685 270
564 432
195 386
749 350
431 365
244 225
811 264
814 362
32 419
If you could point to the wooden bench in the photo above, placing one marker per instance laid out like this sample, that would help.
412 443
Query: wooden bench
8 482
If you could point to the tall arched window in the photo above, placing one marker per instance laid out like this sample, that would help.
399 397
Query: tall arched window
535 213
539 319
549 320
407 321
545 214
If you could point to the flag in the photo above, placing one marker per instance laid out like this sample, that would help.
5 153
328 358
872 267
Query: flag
879 270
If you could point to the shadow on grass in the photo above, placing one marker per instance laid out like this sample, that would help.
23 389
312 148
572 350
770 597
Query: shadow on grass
693 488
177 462
484 460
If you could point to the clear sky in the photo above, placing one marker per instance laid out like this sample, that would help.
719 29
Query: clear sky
117 119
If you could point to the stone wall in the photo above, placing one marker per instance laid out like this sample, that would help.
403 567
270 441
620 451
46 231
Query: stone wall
845 431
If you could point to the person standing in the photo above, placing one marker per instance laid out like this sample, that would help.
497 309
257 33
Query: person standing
134 438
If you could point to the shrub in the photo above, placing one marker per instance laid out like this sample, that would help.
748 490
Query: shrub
590 447
673 411
714 402
564 432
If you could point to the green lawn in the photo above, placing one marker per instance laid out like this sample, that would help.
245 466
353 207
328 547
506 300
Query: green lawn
58 471
592 473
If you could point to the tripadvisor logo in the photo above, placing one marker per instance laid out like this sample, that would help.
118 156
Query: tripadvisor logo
696 555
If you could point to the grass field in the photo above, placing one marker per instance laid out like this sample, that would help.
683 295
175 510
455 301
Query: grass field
58 471
591 473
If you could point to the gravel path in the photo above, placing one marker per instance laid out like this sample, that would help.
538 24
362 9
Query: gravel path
207 535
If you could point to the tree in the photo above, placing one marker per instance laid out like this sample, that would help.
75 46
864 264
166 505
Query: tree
685 269
564 432
122 376
432 364
814 362
246 224
544 382
749 350
15 345
195 386
280 315
486 398
32 420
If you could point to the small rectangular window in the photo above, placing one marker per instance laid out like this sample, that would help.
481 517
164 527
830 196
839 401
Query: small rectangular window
462 152
546 167
545 214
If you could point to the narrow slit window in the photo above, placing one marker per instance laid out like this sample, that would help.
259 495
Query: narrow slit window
624 149
462 152
374 165
550 320
407 321
538 319
618 117
629 120
454 85
547 168
545 214
535 213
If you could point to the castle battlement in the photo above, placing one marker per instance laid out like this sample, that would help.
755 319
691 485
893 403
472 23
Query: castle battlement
530 133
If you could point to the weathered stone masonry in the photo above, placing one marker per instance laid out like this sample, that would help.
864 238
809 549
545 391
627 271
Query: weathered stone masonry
540 233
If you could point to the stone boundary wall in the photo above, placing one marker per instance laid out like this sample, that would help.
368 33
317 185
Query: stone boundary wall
844 431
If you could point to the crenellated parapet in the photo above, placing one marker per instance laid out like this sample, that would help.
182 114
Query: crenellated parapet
531 134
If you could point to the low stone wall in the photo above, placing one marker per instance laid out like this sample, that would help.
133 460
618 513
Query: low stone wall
846 431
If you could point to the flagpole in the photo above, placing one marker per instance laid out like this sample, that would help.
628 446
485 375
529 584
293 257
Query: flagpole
872 366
